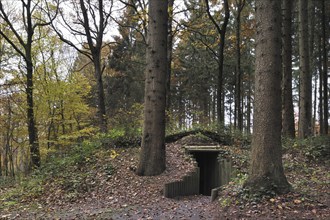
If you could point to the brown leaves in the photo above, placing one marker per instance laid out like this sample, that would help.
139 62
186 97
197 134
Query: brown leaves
309 200
124 195
297 201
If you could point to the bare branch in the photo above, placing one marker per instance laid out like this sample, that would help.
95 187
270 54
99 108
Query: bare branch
71 44
4 16
51 19
211 17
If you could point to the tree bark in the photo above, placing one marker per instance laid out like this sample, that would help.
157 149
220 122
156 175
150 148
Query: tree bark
100 92
32 129
238 107
220 99
152 157
248 110
319 64
169 55
288 129
311 11
314 105
325 71
305 82
267 172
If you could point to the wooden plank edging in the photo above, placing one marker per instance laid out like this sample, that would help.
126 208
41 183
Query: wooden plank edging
189 185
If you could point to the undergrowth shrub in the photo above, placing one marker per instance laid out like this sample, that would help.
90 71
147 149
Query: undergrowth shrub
314 148
118 138
70 171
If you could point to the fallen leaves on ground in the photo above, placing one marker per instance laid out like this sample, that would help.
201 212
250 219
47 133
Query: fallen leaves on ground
109 189
309 199
123 194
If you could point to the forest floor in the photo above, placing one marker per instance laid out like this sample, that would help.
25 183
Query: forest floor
102 184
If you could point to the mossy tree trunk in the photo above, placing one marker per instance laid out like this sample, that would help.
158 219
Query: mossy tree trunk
267 172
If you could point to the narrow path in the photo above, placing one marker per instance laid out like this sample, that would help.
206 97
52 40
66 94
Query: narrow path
191 207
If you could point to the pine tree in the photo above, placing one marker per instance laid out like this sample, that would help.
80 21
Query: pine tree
267 172
152 157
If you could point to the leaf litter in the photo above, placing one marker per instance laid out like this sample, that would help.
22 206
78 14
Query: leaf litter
112 190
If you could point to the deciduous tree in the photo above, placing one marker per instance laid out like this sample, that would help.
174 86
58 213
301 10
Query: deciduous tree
221 30
89 24
23 30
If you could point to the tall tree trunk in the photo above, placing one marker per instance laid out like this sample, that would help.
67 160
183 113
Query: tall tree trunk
152 157
169 54
214 97
25 51
181 113
325 39
220 112
314 105
230 117
222 32
51 125
100 93
205 107
305 83
311 11
267 172
238 107
8 127
248 110
7 139
6 156
32 129
319 64
95 52
288 129
11 158
62 118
